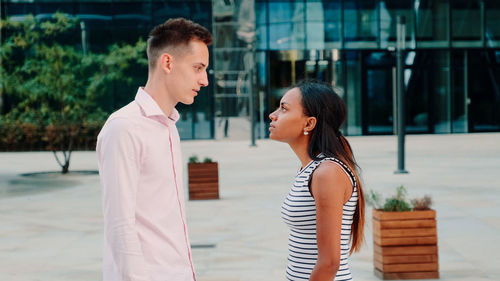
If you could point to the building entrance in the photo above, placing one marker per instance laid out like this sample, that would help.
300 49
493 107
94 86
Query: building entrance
288 67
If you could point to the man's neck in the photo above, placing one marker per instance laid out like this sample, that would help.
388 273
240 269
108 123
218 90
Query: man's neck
160 96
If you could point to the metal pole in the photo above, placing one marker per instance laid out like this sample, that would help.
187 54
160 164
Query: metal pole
261 115
401 101
252 109
394 101
84 37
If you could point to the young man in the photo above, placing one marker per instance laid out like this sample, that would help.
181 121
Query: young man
140 164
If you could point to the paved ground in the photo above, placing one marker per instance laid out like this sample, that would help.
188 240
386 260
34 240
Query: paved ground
51 227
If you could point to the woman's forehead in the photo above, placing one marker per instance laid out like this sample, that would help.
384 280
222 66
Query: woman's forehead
292 96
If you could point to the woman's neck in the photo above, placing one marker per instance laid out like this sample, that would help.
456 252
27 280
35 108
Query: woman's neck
300 149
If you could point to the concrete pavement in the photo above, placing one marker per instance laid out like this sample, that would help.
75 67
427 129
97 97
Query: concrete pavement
52 227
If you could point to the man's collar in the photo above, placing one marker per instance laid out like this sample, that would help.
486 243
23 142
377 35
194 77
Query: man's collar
151 108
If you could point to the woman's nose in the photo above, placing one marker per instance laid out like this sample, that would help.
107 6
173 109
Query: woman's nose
272 116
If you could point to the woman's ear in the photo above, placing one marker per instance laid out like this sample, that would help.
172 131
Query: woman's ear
310 123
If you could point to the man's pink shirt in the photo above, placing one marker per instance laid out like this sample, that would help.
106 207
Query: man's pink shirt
140 167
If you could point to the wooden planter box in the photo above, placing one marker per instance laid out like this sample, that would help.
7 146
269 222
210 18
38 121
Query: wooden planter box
405 245
203 181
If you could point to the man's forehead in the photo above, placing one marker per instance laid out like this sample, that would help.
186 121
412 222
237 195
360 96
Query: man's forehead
195 51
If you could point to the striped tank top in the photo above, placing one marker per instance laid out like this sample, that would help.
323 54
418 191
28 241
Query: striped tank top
299 213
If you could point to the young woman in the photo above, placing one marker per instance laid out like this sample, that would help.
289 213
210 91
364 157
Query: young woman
325 206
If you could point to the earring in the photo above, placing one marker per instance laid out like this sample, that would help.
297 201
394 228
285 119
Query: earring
306 133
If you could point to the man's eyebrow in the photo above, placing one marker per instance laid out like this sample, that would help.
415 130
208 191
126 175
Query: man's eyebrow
284 102
200 63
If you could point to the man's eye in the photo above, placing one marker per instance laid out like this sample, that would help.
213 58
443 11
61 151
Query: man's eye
283 108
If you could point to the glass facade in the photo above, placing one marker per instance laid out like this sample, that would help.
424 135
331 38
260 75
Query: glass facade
106 22
450 67
262 47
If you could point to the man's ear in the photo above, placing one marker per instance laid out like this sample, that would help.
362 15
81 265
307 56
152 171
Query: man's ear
166 62
310 123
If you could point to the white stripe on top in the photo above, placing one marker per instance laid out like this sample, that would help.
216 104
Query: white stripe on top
299 213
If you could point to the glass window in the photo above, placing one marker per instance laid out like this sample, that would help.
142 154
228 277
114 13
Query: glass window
262 38
15 9
353 92
229 60
202 114
389 10
440 90
286 28
162 10
261 23
360 20
432 23
131 21
333 22
261 12
286 11
492 11
314 32
484 90
466 20
54 6
226 35
459 73
417 75
98 21
284 36
379 90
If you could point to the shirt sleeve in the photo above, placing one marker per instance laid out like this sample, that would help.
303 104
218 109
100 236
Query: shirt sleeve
118 153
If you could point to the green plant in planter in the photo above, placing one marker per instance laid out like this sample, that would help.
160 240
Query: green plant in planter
404 237
194 159
398 202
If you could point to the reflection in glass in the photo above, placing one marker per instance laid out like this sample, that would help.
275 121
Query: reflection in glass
353 93
432 24
286 36
333 23
459 78
466 20
484 90
360 20
441 92
379 91
389 10
315 26
492 11
417 77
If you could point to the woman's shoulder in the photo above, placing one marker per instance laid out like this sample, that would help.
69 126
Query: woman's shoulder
329 170
329 180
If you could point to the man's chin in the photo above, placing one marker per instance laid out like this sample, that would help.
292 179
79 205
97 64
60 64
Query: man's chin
188 102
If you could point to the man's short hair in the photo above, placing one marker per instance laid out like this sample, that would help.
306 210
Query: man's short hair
173 33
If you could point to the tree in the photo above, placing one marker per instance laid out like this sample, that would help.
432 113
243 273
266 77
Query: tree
55 86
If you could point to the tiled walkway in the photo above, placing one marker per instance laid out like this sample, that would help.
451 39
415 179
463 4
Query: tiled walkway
51 229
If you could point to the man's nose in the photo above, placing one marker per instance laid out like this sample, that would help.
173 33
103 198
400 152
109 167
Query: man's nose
204 80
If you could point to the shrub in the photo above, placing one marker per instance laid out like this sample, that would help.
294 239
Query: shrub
398 202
